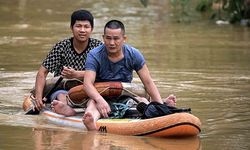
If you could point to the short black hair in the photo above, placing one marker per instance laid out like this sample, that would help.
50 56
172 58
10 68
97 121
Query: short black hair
115 24
82 15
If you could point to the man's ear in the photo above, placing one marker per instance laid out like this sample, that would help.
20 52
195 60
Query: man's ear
125 38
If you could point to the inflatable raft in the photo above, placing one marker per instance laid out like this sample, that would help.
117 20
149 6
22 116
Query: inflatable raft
174 125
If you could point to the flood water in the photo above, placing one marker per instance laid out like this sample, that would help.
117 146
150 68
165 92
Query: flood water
206 66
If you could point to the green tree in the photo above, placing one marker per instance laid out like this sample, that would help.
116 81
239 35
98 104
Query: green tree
233 11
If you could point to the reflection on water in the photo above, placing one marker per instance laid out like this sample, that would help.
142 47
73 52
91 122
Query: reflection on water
40 139
206 66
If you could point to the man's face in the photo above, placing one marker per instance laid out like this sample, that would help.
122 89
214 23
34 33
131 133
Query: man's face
81 30
113 40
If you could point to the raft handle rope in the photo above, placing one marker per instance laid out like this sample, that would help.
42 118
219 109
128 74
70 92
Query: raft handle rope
71 103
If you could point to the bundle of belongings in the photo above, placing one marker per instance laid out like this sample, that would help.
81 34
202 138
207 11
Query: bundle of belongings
124 109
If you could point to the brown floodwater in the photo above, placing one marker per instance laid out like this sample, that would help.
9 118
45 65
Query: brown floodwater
207 66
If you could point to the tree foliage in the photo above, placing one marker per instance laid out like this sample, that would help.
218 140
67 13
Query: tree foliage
230 10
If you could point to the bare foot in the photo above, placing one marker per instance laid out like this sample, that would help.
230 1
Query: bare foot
63 109
89 121
170 100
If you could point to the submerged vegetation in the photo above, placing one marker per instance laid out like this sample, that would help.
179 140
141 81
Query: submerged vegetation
232 11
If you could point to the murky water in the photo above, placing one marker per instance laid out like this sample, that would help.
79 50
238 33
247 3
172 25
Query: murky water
206 66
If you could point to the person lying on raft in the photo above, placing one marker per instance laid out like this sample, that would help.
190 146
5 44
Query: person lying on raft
113 61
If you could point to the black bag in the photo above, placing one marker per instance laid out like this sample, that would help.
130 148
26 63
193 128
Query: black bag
155 109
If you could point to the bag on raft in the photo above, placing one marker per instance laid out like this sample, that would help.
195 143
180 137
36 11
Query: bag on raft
121 108
155 109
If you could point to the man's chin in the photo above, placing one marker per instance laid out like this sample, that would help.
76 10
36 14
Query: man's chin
112 51
82 39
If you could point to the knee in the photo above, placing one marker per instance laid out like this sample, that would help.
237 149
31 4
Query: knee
61 95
